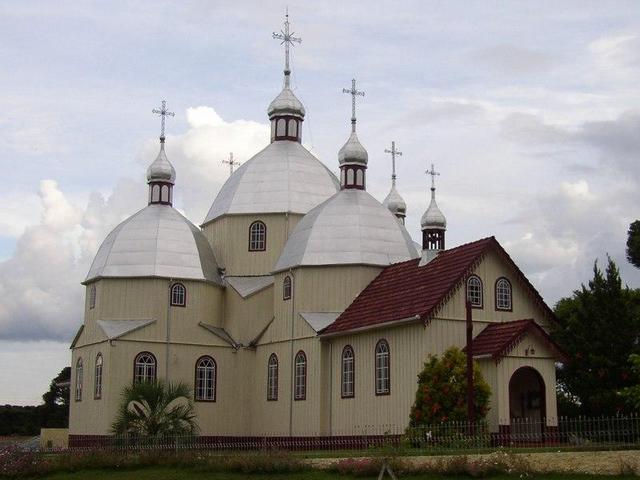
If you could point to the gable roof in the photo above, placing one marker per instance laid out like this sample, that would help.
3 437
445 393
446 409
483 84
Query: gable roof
117 328
498 339
407 292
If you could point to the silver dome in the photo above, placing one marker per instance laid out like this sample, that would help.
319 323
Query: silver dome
284 177
433 217
156 242
161 169
353 152
395 203
286 103
351 227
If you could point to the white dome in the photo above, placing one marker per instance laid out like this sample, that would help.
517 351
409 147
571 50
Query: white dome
156 242
395 203
433 217
284 177
286 103
161 169
351 227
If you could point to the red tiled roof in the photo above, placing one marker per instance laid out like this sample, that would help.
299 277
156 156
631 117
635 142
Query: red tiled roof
404 291
498 339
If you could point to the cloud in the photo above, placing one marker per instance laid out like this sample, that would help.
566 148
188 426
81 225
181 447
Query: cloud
40 282
616 57
512 59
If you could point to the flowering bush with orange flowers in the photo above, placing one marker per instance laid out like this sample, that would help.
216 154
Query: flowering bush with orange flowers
442 391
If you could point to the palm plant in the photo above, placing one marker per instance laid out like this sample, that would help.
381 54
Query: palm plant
155 410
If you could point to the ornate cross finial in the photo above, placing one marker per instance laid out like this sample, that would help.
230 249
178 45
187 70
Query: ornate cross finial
353 92
393 153
231 163
287 39
163 112
433 174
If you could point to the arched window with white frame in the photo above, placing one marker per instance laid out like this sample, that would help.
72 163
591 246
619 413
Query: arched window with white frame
79 378
144 368
474 291
503 294
383 370
257 237
348 372
178 295
300 380
97 378
206 373
272 378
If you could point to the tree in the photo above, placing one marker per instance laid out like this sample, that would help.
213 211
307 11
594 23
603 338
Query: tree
442 390
55 411
156 409
633 243
631 395
598 328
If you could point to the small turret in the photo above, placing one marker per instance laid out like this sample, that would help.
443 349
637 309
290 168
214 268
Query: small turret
353 157
433 224
394 202
161 176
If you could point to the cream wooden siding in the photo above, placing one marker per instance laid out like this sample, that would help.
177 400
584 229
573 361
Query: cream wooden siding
229 237
315 289
245 318
148 299
489 270
228 415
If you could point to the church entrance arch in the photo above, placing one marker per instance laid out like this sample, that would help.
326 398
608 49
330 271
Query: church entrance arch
527 407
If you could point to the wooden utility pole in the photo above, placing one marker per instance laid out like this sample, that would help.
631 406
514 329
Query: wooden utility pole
471 413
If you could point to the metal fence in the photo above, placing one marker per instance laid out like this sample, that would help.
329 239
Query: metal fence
616 432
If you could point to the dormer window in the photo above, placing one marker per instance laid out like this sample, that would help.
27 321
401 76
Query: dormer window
474 291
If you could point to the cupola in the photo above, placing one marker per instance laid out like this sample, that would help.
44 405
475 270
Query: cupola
433 224
286 112
161 175
394 202
353 157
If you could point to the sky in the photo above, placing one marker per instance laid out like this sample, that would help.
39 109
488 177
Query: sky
530 111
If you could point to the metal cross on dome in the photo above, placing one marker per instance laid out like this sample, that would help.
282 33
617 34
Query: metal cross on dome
354 92
163 112
287 39
231 163
433 174
393 153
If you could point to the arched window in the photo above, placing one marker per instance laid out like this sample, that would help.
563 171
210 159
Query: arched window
155 193
474 291
503 294
348 370
257 237
164 197
178 295
272 378
293 128
79 376
97 384
359 178
300 383
206 379
383 378
350 176
286 288
144 369
281 129
92 296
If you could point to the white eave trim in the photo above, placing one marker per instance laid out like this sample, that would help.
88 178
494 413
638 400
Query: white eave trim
393 323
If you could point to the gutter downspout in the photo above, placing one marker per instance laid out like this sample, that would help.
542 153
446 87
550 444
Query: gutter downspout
293 367
166 363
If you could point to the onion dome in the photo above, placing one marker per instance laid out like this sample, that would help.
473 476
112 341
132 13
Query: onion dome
157 241
283 177
352 152
161 169
395 203
433 218
286 103
351 227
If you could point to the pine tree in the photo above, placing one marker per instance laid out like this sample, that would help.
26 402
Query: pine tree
633 243
599 328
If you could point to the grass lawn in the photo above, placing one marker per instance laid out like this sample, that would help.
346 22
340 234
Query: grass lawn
160 473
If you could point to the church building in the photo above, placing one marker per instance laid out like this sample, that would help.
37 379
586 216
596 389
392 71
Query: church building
301 306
